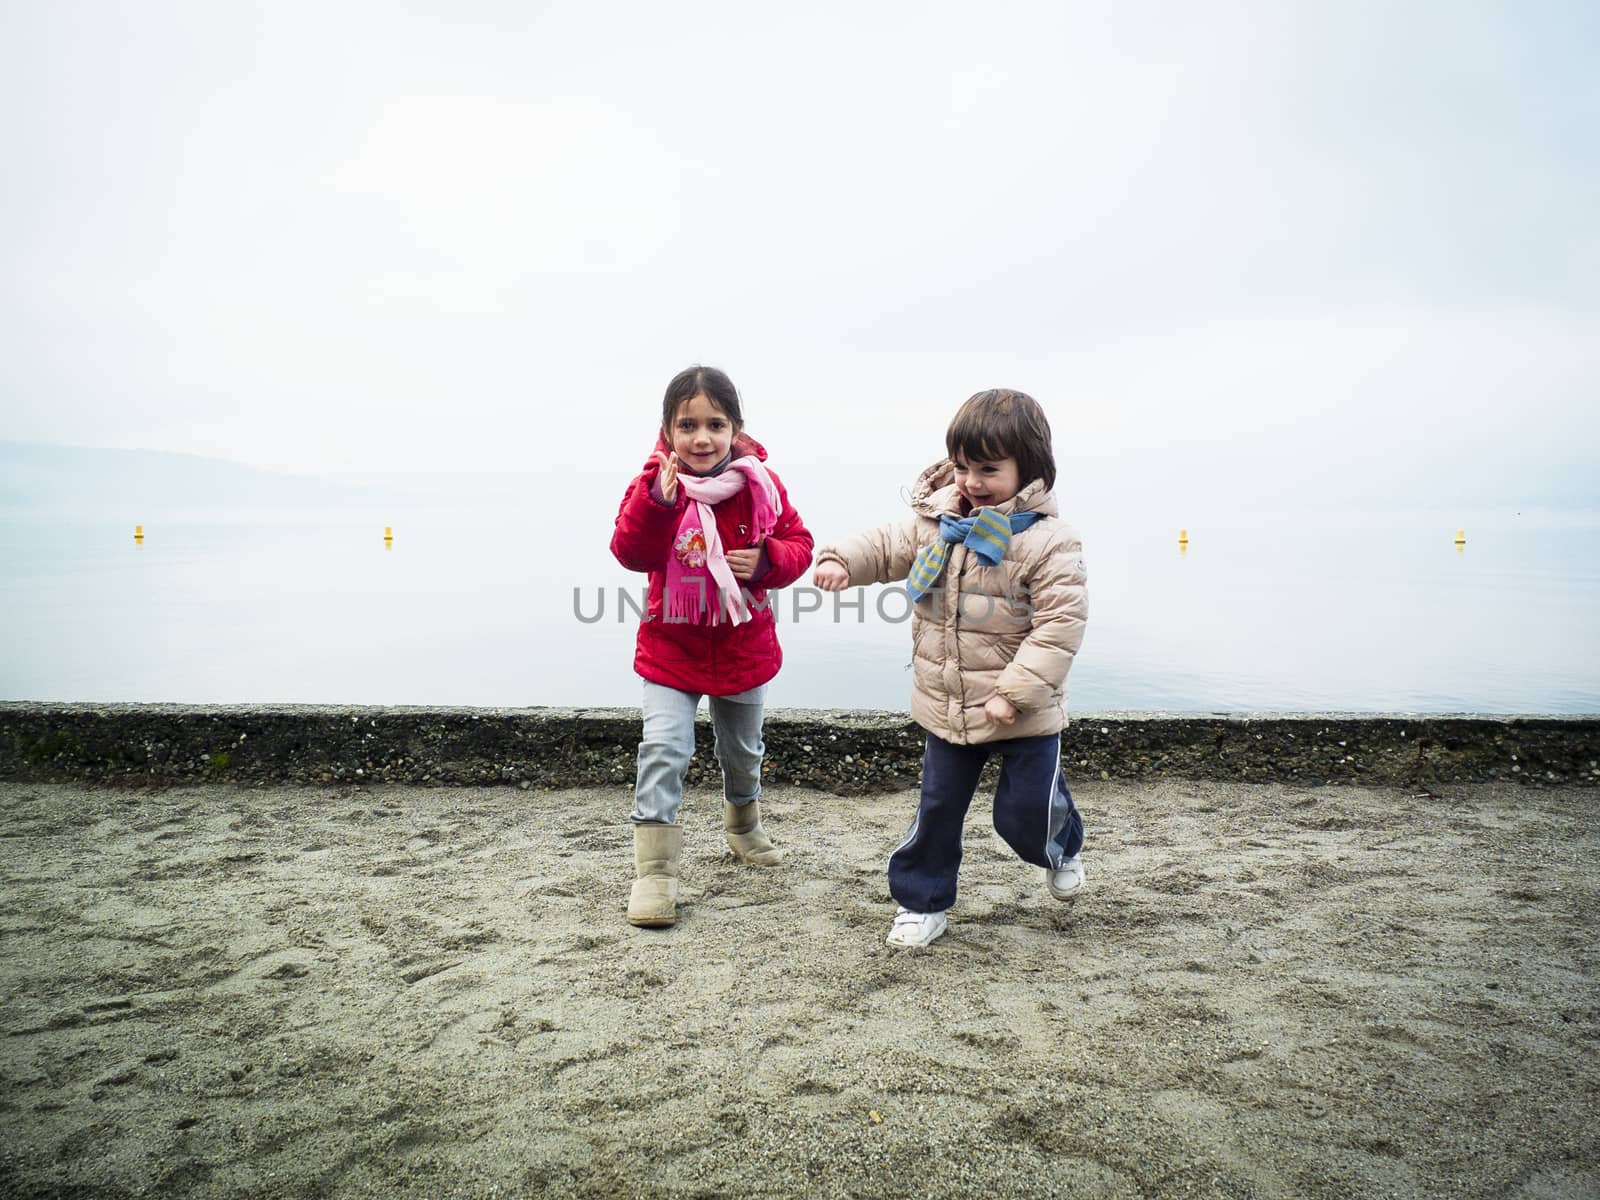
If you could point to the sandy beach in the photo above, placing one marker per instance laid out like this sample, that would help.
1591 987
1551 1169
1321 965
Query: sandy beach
1264 991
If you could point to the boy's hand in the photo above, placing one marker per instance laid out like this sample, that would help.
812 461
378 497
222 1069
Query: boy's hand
743 563
1000 710
669 476
830 577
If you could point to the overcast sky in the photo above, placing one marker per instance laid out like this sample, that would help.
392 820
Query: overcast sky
1269 252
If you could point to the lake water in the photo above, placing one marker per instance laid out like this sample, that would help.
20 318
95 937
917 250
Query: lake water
1259 613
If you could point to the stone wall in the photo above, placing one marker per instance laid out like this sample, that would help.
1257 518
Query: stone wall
842 751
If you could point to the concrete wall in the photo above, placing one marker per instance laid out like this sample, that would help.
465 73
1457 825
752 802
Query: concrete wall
841 751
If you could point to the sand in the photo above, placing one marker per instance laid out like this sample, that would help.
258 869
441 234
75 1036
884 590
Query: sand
1264 991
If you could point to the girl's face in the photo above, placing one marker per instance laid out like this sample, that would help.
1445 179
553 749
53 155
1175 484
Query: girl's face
987 483
701 433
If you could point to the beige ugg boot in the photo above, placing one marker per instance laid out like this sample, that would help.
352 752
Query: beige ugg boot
746 837
656 850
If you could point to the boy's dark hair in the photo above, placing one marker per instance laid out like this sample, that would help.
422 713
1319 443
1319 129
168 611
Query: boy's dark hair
1002 423
690 382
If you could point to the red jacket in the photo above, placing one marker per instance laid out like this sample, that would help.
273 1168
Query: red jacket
721 659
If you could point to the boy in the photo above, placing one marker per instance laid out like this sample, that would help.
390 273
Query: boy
1000 602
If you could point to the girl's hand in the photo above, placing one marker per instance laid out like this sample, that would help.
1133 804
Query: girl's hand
1000 710
669 476
830 577
743 563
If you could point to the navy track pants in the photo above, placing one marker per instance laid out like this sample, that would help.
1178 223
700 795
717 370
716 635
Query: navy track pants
1033 812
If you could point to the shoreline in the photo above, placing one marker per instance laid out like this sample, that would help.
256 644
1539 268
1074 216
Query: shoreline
844 751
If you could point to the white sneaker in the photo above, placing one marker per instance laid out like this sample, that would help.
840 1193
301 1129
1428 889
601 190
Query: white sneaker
1066 881
915 929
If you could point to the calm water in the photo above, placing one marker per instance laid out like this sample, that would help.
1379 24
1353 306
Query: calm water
1283 614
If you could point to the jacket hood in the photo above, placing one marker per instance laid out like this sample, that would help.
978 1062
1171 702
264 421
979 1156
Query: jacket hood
742 445
935 493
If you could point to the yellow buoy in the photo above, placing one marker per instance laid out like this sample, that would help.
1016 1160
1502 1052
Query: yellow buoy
388 537
1183 539
1461 537
138 533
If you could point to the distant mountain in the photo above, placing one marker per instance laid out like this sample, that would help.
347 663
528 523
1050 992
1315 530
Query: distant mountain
86 480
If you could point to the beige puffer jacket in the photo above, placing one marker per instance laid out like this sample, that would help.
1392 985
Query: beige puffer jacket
1012 628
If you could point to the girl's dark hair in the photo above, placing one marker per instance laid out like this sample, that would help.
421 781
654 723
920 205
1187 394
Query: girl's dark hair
1002 423
690 382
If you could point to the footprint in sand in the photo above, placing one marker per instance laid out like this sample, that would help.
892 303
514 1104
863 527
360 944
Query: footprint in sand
277 966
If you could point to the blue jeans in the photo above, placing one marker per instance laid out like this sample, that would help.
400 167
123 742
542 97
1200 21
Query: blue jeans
669 742
1033 812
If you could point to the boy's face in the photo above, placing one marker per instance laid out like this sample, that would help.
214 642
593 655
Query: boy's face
986 483
701 433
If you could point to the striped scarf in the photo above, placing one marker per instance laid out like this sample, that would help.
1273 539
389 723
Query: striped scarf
987 533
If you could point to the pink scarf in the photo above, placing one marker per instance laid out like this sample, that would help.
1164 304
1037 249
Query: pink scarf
697 550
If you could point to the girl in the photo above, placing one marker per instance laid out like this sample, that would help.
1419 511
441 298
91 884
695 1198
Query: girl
714 529
998 589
